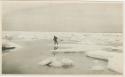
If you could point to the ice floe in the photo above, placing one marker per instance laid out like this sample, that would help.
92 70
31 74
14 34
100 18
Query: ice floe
115 59
55 62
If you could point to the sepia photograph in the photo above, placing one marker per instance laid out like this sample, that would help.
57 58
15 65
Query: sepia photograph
62 38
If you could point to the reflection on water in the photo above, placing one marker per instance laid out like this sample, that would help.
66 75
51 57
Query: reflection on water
56 47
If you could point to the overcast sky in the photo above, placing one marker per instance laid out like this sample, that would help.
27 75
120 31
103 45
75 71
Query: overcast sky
62 17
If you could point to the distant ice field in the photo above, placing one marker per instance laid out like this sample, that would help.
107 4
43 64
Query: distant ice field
37 46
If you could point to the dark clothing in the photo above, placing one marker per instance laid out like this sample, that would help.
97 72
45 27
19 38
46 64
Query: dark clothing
55 40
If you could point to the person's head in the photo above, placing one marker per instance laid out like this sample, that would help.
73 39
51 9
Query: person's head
55 36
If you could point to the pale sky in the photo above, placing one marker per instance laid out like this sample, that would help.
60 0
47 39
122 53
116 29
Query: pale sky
62 17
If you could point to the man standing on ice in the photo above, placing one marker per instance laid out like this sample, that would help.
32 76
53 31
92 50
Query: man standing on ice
55 39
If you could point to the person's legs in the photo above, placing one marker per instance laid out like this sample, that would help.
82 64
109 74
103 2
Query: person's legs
55 42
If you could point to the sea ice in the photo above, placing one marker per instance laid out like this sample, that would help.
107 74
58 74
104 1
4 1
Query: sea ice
54 62
97 67
115 59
